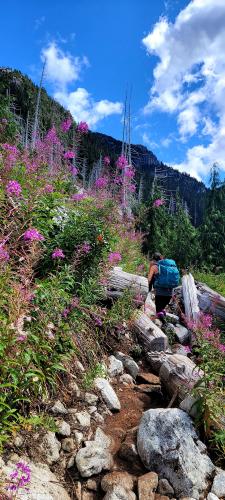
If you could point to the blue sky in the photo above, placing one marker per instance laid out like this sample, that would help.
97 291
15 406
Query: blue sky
171 52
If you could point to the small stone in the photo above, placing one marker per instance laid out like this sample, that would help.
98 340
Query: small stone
189 405
115 367
87 495
126 379
165 488
79 366
70 462
158 322
172 318
79 437
91 485
123 479
147 378
182 334
83 418
117 492
211 496
50 447
77 491
147 485
161 497
98 418
108 393
90 399
218 487
63 428
68 445
92 409
59 408
18 441
129 364
93 459
74 388
101 438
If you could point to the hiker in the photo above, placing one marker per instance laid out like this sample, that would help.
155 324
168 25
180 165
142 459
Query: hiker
163 277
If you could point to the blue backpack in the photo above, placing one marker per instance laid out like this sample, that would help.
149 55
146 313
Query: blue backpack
168 275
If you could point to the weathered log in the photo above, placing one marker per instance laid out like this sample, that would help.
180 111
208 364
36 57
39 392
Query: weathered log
190 298
149 334
177 373
119 281
149 306
210 301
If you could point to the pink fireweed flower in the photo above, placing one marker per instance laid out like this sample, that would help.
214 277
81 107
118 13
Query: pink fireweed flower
114 257
33 235
221 348
58 254
187 348
48 188
106 161
131 188
51 136
65 312
82 127
101 182
69 155
78 196
65 126
13 188
129 172
86 247
122 162
4 255
158 203
20 477
74 171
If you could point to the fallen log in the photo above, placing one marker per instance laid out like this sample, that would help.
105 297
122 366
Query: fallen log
189 292
177 373
149 334
119 281
210 301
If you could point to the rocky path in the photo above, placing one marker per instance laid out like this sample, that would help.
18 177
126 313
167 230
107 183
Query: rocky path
119 440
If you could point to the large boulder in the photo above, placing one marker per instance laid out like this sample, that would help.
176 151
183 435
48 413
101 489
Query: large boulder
43 485
108 393
218 487
168 444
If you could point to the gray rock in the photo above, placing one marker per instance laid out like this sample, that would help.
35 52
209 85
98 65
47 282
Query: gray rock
50 447
211 496
43 485
129 364
68 445
91 485
83 418
79 437
90 399
218 487
63 428
182 334
115 367
92 409
59 408
93 459
79 366
167 444
18 441
117 492
164 488
108 393
70 462
120 478
75 388
189 405
98 418
126 379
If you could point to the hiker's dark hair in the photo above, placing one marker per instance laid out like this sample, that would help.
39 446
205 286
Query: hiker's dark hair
157 256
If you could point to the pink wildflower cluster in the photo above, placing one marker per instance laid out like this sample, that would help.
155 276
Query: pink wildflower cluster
33 235
114 257
4 255
73 171
158 203
69 155
203 326
129 172
73 304
20 477
48 188
65 126
51 136
106 161
82 127
122 162
13 188
101 182
78 196
11 153
86 247
58 254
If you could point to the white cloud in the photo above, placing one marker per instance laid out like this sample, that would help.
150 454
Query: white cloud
189 79
62 69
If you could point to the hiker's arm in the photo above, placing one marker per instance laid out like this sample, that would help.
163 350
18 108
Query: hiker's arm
151 275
